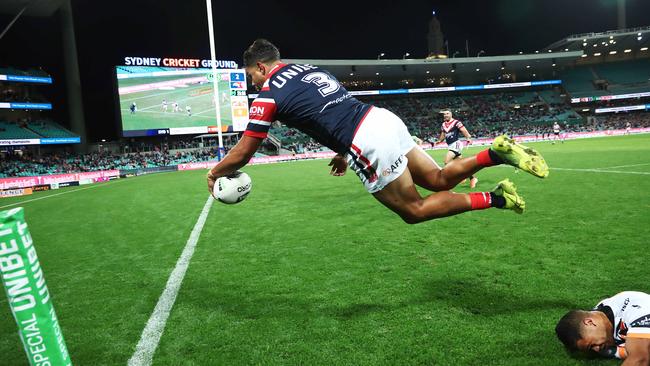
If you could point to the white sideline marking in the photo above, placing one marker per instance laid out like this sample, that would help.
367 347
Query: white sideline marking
602 171
57 194
625 166
151 334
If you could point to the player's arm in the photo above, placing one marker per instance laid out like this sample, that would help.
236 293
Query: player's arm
638 351
261 114
465 133
236 158
339 165
441 138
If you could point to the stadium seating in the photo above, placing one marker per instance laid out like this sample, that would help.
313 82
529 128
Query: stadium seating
15 71
579 81
46 128
629 72
13 131
33 130
620 78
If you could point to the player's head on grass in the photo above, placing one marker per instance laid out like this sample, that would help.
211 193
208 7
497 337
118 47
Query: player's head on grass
581 330
259 59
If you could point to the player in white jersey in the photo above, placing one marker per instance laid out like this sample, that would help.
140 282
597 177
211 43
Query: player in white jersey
164 105
556 131
628 127
175 106
450 131
188 109
618 327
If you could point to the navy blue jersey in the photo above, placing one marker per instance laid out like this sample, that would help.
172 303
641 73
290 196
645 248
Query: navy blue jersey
309 99
451 129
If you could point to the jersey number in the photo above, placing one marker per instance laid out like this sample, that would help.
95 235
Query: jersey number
327 85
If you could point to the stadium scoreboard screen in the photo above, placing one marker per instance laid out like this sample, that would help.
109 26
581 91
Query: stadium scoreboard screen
155 99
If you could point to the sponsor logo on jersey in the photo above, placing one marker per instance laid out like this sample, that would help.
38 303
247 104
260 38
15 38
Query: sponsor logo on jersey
289 73
393 167
625 303
643 321
257 110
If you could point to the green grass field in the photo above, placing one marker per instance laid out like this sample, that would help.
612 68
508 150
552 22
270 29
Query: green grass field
311 270
150 113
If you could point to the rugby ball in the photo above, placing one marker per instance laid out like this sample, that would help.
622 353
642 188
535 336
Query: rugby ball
233 188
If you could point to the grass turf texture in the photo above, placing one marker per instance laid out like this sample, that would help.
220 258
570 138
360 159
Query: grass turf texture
150 114
312 270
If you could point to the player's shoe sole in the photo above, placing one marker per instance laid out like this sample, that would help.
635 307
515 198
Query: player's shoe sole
520 156
508 191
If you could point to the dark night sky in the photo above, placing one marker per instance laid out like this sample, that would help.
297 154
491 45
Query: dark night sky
109 30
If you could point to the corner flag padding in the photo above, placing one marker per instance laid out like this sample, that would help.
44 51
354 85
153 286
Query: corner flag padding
29 299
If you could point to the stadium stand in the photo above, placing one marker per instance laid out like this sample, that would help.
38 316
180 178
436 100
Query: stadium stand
9 130
579 82
628 72
47 128
29 164
614 77
29 72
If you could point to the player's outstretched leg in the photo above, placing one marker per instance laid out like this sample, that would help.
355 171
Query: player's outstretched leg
511 200
520 156
402 198
427 174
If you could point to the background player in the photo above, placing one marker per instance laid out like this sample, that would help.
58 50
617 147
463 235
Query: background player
133 108
374 142
164 105
188 109
618 327
556 132
450 132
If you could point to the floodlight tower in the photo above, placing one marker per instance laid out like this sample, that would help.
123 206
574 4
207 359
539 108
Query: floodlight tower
621 14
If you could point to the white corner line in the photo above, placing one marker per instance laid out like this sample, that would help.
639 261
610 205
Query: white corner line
153 331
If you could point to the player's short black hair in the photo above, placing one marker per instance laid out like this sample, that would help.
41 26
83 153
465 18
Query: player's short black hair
261 51
568 329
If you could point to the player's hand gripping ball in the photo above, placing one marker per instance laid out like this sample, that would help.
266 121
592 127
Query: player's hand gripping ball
232 188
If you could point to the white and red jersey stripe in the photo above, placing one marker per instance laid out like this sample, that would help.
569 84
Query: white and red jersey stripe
262 115
263 111
451 130
447 126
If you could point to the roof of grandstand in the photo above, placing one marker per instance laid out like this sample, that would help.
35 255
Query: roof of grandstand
40 8
393 70
614 40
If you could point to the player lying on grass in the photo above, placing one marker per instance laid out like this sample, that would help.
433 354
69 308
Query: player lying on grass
618 327
374 142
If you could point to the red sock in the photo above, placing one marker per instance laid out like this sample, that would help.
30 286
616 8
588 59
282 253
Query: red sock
480 200
484 159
